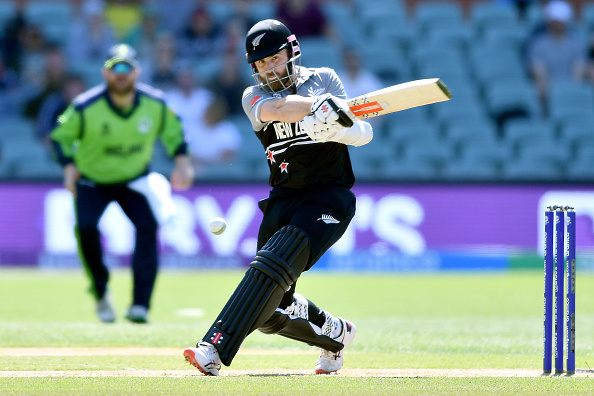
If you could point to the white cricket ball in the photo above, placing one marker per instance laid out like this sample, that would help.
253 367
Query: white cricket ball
218 225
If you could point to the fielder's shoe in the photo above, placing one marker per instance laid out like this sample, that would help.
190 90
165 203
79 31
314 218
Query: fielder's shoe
137 314
105 309
205 358
329 362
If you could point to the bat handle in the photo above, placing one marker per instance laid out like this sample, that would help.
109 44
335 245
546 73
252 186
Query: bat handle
343 117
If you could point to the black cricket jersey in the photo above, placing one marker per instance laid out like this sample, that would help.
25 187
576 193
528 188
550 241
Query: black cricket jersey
295 160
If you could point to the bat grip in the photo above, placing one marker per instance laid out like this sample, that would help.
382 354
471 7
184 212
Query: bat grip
343 117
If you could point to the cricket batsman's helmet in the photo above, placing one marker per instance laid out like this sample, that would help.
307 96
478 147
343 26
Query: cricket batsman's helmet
266 38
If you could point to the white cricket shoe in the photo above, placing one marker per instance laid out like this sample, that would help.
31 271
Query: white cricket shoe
329 362
205 358
137 314
105 309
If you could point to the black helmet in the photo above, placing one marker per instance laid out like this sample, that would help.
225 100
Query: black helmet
266 38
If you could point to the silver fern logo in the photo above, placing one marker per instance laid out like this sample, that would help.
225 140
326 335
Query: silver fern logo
315 91
328 219
256 40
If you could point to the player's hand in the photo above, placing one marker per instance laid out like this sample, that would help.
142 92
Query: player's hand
71 176
328 109
319 131
183 174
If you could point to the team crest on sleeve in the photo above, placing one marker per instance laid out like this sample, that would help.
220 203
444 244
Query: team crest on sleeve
144 125
254 100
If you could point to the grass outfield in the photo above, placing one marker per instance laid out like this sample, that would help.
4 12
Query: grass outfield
453 333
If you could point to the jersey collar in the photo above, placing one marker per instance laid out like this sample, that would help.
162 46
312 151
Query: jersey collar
304 75
118 111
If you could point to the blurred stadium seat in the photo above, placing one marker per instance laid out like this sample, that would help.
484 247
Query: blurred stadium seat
402 133
7 9
16 127
576 132
510 100
467 170
495 154
411 170
402 35
487 14
370 17
463 132
477 54
587 15
493 61
388 63
546 151
566 101
520 133
429 14
512 35
436 154
320 52
460 35
447 113
531 169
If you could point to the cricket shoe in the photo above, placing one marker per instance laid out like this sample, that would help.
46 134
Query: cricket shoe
205 358
329 362
137 314
105 310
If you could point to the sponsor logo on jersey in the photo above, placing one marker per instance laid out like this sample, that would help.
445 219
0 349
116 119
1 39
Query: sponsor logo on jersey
144 125
257 39
328 219
254 100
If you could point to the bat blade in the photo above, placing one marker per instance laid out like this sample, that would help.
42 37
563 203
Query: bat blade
399 97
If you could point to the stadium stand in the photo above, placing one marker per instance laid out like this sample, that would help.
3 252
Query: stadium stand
493 129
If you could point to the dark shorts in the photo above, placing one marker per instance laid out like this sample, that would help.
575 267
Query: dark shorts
323 213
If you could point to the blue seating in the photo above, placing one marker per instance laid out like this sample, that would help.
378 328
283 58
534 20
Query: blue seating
428 14
529 169
467 170
461 133
518 97
566 101
487 14
320 52
520 133
7 10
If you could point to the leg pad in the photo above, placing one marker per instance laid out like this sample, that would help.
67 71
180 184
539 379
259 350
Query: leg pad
274 269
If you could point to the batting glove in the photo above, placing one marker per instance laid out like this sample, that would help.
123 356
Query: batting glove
319 131
328 108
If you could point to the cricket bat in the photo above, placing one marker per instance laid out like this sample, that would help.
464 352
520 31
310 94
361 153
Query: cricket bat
399 97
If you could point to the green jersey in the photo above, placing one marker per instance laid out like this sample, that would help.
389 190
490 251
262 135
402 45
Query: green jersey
113 146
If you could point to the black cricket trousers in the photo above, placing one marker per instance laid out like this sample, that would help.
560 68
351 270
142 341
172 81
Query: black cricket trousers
90 203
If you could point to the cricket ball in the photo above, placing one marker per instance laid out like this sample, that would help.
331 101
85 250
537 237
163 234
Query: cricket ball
218 225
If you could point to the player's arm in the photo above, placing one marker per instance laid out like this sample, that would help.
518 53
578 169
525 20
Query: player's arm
292 108
172 137
63 137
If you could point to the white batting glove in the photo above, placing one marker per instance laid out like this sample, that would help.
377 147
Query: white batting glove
328 108
319 131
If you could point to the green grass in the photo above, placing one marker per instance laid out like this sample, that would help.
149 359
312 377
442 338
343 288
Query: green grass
404 321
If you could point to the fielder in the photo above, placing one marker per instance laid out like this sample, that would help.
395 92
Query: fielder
105 141
300 116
